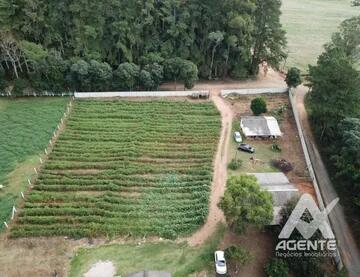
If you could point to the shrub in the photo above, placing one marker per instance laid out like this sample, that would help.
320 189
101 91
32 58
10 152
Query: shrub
276 147
293 78
258 106
282 164
277 268
19 86
238 254
279 112
235 164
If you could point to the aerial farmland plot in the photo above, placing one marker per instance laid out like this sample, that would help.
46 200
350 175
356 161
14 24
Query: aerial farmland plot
125 168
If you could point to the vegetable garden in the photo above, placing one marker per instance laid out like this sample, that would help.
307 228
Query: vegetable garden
125 168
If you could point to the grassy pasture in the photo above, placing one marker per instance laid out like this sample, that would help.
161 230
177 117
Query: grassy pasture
26 127
179 259
126 167
309 25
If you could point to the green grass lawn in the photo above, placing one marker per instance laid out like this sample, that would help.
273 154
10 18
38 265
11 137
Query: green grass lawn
309 25
263 152
179 259
26 127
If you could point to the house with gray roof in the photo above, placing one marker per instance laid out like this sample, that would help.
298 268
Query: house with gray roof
260 126
281 190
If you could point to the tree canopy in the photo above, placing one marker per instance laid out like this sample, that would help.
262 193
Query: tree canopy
140 32
246 204
293 77
335 91
347 158
258 105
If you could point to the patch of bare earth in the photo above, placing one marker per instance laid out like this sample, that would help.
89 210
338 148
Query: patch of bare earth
88 171
260 244
103 269
40 257
306 187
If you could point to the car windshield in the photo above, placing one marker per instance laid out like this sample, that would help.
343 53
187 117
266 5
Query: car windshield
221 263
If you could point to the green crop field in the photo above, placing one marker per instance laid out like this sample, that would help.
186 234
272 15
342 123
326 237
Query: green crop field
309 25
26 127
126 167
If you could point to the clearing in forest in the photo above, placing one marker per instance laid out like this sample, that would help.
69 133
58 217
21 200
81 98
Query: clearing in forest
126 167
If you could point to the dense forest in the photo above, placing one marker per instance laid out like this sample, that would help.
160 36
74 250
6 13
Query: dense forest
118 44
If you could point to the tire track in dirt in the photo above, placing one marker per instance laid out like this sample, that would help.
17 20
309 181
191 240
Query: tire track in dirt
220 173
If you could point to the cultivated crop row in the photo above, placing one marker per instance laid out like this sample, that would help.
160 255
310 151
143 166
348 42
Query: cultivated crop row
126 167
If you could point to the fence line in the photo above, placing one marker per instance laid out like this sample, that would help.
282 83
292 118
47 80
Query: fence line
137 94
38 94
243 91
32 180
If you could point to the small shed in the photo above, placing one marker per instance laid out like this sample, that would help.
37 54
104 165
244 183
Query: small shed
281 189
149 273
260 126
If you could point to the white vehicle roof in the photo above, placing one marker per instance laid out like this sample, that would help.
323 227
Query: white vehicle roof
220 255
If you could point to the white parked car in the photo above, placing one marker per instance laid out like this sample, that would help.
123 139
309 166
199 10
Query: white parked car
237 137
220 263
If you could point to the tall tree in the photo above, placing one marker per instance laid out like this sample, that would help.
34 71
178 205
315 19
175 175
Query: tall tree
268 38
246 204
216 38
335 91
347 156
126 76
348 38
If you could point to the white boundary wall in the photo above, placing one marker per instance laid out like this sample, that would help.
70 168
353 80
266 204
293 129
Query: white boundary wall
242 91
309 165
137 94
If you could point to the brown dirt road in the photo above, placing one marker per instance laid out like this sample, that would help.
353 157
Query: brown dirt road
220 174
215 215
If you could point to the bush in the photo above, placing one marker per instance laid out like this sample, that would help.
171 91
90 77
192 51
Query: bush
238 254
3 83
258 106
235 164
277 268
282 164
293 78
19 86
279 112
276 147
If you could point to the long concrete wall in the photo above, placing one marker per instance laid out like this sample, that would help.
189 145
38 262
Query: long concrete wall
243 91
137 94
310 167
